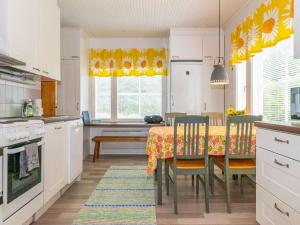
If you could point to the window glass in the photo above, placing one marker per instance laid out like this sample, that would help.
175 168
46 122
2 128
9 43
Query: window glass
275 72
103 97
139 96
241 97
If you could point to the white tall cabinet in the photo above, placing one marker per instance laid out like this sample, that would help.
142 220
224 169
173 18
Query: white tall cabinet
192 55
73 90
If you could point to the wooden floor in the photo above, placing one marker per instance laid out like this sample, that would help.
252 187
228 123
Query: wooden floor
191 209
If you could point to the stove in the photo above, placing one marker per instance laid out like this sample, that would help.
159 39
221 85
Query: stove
15 135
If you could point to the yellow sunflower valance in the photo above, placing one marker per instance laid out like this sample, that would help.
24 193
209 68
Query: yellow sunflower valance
270 23
133 62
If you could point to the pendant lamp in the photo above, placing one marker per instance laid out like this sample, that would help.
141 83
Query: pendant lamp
219 75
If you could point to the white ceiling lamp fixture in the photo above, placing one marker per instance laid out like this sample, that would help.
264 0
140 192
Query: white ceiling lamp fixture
219 75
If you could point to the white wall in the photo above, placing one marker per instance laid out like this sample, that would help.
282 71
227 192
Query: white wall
126 43
230 26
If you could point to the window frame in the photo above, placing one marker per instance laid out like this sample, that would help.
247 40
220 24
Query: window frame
114 101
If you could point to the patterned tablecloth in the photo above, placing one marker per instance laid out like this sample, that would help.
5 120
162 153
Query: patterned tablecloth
160 142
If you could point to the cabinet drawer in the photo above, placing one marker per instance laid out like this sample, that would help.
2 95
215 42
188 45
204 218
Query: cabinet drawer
282 143
271 211
279 175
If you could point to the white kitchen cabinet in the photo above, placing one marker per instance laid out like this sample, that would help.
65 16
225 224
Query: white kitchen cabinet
186 47
30 32
55 172
186 96
277 177
70 43
297 28
73 90
69 88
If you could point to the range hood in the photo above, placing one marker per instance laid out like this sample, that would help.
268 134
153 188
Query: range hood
9 61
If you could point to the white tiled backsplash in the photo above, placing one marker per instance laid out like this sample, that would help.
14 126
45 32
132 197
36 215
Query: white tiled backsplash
12 96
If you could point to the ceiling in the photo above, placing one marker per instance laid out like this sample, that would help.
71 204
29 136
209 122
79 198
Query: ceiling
144 18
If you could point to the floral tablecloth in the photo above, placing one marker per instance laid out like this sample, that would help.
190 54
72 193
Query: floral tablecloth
160 142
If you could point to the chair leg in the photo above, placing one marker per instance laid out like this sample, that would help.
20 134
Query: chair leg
197 180
242 184
167 176
206 177
227 190
155 175
175 194
98 149
212 179
193 180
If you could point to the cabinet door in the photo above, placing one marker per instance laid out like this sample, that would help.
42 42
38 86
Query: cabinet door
186 47
55 160
21 18
211 46
297 29
212 95
69 88
186 90
48 47
70 43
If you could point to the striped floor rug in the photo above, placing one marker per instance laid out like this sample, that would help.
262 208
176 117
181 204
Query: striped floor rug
125 195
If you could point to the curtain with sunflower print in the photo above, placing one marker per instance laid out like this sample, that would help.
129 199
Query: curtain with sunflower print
270 23
133 62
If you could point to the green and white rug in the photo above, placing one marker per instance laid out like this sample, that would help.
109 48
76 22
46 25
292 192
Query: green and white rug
125 195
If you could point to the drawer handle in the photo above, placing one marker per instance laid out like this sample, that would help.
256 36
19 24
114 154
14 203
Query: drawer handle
281 141
280 210
281 164
37 69
57 128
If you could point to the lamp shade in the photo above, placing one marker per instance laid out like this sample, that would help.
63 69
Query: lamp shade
219 76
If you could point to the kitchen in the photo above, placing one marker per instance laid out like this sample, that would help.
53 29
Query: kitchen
91 91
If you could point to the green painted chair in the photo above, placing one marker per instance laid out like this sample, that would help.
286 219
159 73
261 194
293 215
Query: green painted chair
240 161
193 158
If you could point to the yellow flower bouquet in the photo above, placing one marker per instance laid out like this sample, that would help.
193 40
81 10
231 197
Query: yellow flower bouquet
233 112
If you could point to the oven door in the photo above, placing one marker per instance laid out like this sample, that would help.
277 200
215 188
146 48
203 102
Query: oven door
18 192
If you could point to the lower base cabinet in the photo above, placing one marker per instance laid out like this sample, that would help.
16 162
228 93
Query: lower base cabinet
55 174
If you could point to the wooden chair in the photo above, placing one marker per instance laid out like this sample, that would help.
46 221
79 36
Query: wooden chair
169 117
215 118
241 161
194 158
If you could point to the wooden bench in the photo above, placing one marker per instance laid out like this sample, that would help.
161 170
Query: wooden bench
99 139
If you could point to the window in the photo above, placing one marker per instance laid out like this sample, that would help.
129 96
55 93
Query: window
275 72
241 71
128 97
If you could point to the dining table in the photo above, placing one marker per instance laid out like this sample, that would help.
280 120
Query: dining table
160 146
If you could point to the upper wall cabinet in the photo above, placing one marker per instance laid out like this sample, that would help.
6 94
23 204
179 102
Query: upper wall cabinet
70 43
297 29
195 44
186 47
30 32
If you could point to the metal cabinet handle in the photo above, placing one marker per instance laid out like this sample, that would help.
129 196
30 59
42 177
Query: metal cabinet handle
57 128
281 141
75 57
37 69
280 210
45 72
172 100
281 164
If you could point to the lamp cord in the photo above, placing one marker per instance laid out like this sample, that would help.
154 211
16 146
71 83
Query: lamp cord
219 30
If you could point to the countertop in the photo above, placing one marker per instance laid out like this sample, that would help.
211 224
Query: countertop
288 127
122 124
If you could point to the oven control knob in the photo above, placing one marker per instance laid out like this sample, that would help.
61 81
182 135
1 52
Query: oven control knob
12 138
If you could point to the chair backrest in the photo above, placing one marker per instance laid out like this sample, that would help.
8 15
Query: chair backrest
191 136
241 128
215 118
169 117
